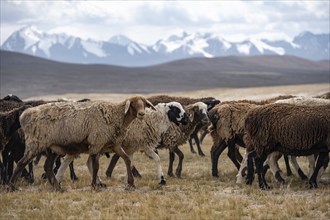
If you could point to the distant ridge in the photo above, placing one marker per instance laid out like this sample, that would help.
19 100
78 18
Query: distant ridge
122 51
28 76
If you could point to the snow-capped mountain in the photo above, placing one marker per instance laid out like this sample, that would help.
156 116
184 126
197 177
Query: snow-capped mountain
120 50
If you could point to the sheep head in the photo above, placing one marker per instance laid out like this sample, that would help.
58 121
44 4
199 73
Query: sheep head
176 113
136 106
198 111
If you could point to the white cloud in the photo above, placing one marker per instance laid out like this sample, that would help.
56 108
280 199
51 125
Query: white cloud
147 21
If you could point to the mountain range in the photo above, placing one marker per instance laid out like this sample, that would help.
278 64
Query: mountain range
122 51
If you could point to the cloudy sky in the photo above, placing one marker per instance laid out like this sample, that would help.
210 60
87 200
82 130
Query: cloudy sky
148 21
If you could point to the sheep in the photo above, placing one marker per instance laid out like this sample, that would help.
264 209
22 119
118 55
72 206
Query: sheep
15 148
144 136
291 129
73 128
227 128
9 123
324 96
176 136
209 101
173 137
273 156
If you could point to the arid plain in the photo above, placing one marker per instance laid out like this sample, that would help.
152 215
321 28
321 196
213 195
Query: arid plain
197 195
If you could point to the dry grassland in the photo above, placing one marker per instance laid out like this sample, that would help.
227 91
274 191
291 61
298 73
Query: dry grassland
197 195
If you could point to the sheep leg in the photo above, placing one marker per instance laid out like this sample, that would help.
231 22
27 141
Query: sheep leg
287 165
200 152
130 179
170 164
37 159
48 168
242 170
112 165
238 155
319 164
271 162
179 167
259 161
295 164
31 174
8 165
311 164
2 173
250 165
73 175
215 154
64 165
135 172
57 165
232 153
155 157
322 169
93 167
27 158
203 135
191 144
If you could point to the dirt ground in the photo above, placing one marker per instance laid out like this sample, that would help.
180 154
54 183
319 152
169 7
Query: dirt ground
197 195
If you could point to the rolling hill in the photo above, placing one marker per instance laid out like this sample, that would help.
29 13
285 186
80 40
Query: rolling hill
27 76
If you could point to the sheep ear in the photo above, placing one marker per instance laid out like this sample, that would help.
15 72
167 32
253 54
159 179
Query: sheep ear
128 103
149 104
191 116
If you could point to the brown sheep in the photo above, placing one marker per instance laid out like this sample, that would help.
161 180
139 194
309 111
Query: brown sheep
290 129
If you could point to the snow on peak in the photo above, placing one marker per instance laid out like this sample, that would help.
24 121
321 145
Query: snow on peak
262 46
120 39
30 35
94 47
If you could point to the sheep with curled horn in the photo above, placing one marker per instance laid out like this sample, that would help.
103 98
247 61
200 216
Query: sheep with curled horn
291 129
73 128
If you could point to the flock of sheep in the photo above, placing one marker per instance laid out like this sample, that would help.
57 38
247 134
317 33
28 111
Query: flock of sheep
62 129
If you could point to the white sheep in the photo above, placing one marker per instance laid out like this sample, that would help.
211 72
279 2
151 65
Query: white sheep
175 136
73 128
144 136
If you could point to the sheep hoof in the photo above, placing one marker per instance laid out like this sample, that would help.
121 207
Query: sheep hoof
215 174
279 178
130 187
43 176
101 185
170 174
193 151
11 188
162 181
201 154
313 185
74 178
249 181
60 190
302 175
264 186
